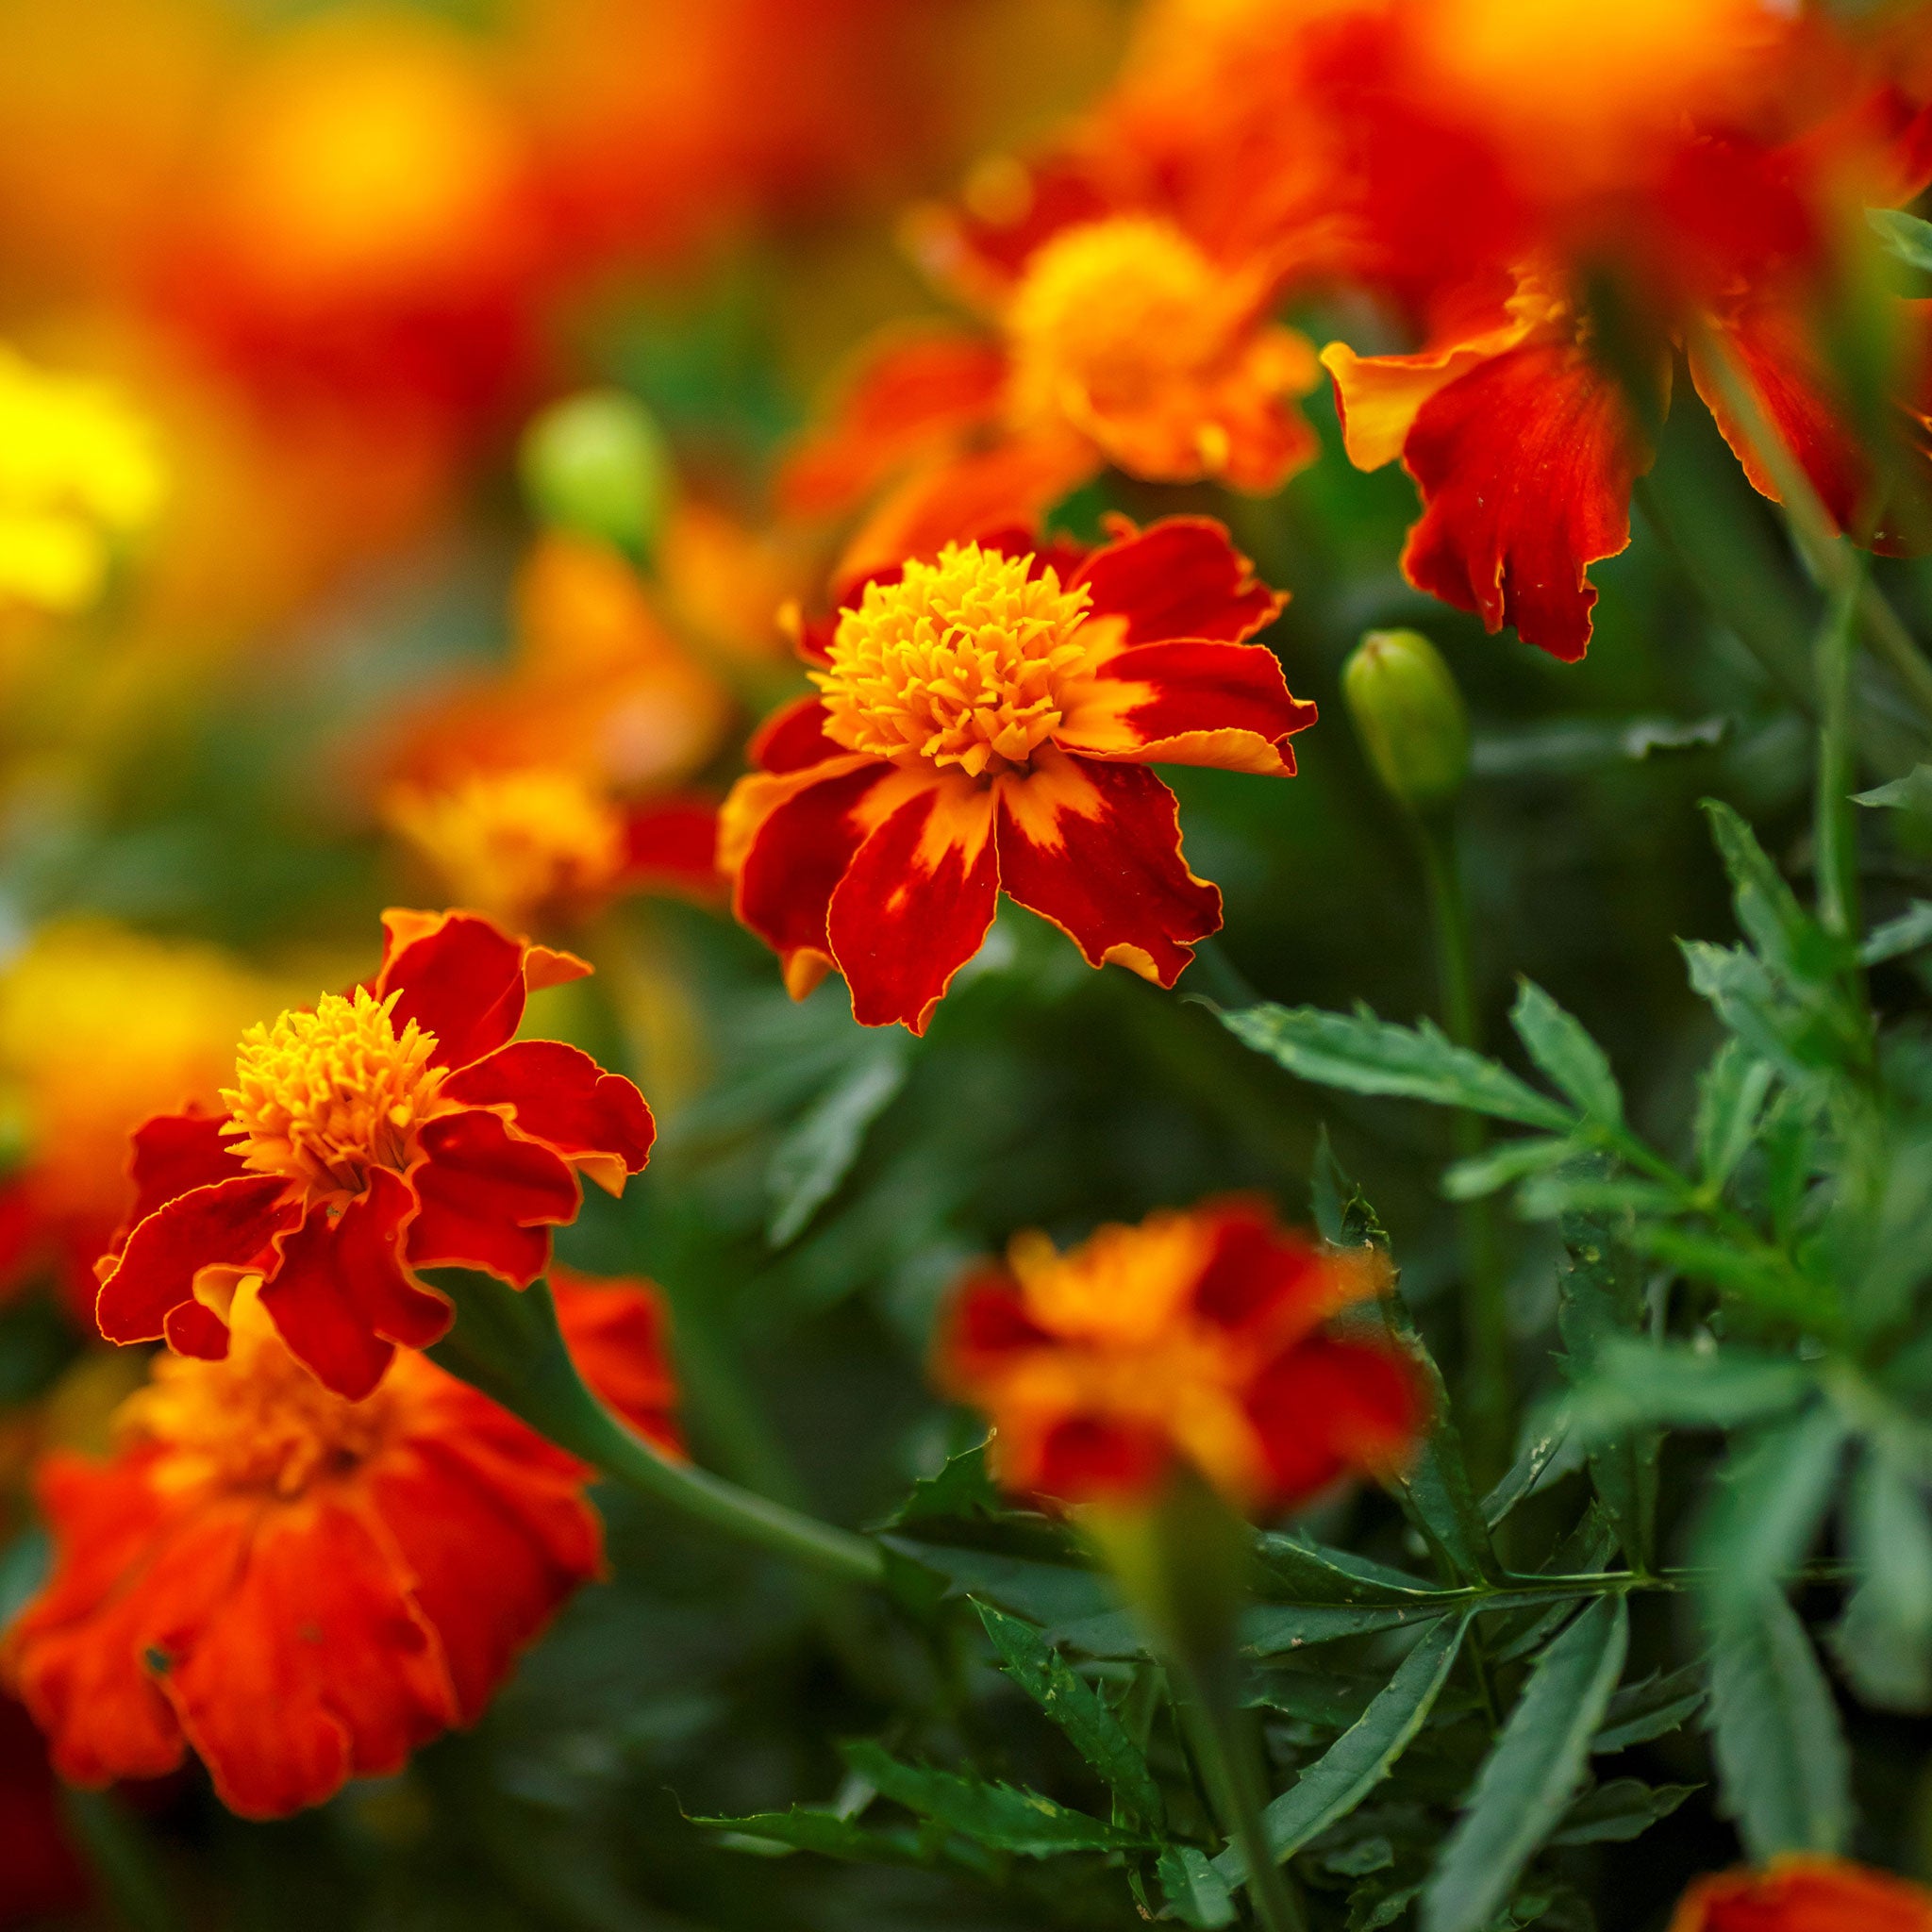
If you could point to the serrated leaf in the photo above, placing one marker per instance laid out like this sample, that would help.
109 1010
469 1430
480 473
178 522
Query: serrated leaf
1905 934
1527 1472
1072 1705
1730 1095
1559 1043
1526 1782
1784 936
1364 1055
1045 1594
1506 1162
960 1491
1358 1761
1652 1709
1632 1382
1000 1816
1195 1892
1767 1506
1299 1572
1909 240
810 1161
1783 1770
1274 1629
1884 1641
804 1828
1614 1813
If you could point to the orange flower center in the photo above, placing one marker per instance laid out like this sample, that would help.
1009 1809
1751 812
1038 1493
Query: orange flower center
256 1420
323 1096
1110 313
960 662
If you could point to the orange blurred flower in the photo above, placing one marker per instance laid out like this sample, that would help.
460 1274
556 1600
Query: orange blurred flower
400 1127
305 1589
1804 1893
985 721
101 1029
1197 1337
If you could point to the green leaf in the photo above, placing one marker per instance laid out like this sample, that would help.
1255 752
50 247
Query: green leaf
1633 1382
1616 1812
1072 1705
1000 1816
1905 934
1759 1278
1558 1044
1360 1758
1549 1196
1044 1592
1652 1708
1196 1893
1506 1162
815 1156
1910 241
1274 1629
1364 1055
1296 1570
961 1492
1527 1472
1729 1098
1884 1641
1783 1770
1767 1508
807 1828
1526 1782
1784 936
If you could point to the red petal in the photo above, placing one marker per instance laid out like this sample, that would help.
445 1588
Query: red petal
671 847
1254 1266
986 1327
915 902
617 1334
1097 849
793 737
194 1330
342 1295
488 1201
1090 1458
564 1098
463 982
1178 579
1329 1408
1188 704
1526 467
313 1668
175 1152
230 1224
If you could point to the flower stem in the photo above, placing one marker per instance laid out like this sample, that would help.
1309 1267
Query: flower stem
508 1344
1834 837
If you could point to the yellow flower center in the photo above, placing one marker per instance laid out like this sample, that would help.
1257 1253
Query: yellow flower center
323 1096
256 1420
960 662
1109 313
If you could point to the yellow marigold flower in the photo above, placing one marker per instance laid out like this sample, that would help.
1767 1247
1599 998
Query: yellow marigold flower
79 471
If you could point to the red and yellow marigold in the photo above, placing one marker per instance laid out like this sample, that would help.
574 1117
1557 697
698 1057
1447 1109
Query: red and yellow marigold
1804 1893
303 1589
398 1127
985 721
1199 1338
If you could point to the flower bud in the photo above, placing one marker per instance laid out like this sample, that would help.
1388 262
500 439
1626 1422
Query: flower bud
1409 716
596 463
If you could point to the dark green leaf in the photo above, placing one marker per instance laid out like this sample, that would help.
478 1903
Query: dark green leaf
1783 1772
814 1158
804 1828
1784 936
1090 1728
1364 1055
1528 1780
1293 1571
1618 1811
1574 1061
960 1491
1527 1472
998 1815
1045 1593
1360 1758
1652 1709
1910 241
1633 1382
1767 1506
1729 1098
1196 1893
1274 1629
1905 934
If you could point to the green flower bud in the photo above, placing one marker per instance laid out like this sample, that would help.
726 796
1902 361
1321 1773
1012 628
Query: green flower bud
597 464
1409 717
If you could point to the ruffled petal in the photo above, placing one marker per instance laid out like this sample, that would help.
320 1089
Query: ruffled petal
342 1296
462 980
488 1200
1186 703
1525 466
1330 1408
562 1097
793 737
193 1328
617 1334
917 897
1095 848
790 837
231 1224
175 1152
1177 578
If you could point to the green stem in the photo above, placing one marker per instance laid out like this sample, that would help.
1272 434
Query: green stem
508 1345
1485 1306
1836 840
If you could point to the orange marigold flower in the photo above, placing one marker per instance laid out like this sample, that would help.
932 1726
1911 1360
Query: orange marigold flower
1197 1337
1804 1893
401 1125
985 722
303 1588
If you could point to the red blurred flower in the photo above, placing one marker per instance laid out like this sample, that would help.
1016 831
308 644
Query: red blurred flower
40 1874
1803 1894
301 1587
400 1127
985 722
1196 1336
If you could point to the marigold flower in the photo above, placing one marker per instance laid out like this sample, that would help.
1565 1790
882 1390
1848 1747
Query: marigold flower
985 721
1804 1893
401 1125
1197 1337
80 471
301 1587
